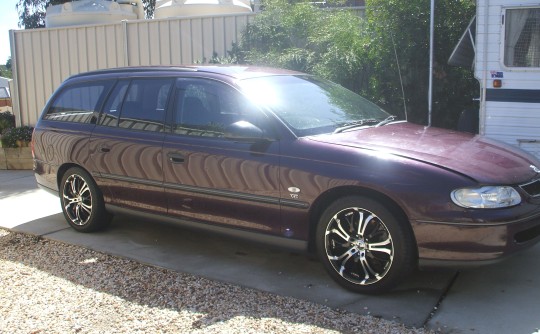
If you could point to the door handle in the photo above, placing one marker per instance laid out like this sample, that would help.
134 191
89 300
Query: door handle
175 158
104 149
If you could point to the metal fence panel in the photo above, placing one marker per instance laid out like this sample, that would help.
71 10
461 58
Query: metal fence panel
43 58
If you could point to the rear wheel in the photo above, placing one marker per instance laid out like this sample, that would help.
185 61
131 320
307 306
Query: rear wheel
82 201
363 246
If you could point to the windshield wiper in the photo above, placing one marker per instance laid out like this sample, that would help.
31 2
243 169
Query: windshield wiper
387 120
355 124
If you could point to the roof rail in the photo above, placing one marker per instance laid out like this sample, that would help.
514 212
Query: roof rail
136 69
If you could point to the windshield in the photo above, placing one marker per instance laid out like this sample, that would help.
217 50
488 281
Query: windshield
311 106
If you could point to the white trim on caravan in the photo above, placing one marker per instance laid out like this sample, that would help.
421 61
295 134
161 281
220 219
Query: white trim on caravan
505 42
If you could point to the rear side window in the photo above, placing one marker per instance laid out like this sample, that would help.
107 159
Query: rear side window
138 104
111 110
78 103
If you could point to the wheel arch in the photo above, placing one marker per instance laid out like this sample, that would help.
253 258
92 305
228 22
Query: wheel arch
331 195
63 169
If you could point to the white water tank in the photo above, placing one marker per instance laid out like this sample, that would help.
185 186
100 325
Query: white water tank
187 8
82 12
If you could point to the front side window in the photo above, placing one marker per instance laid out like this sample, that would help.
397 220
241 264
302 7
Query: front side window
78 103
522 37
207 108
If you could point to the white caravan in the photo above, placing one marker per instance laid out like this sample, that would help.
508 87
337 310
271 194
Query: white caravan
502 44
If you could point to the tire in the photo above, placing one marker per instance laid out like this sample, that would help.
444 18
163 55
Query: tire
82 201
363 246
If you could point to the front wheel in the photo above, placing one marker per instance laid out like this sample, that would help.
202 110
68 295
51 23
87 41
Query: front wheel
82 201
363 246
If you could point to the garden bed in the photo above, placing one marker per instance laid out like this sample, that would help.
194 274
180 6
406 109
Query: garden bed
15 158
14 142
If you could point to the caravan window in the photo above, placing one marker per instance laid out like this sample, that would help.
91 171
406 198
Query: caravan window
522 37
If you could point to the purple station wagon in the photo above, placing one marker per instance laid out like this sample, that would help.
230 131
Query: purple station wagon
284 158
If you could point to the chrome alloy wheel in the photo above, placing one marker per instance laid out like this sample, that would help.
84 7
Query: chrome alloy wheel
359 246
77 200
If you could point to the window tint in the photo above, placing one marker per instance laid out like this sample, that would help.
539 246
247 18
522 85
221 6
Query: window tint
78 103
111 110
207 108
522 38
138 104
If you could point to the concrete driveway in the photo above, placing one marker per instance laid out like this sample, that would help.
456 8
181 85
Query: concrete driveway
503 298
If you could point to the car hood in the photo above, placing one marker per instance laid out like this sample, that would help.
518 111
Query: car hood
485 160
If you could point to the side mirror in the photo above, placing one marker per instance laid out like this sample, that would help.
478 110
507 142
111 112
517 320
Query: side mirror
244 131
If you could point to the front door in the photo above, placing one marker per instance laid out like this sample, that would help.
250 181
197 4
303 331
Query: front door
209 178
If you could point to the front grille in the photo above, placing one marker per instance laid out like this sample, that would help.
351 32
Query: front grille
532 188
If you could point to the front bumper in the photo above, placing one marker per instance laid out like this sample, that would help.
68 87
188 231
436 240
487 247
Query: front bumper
457 244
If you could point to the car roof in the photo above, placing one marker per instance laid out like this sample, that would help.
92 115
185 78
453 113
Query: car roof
234 71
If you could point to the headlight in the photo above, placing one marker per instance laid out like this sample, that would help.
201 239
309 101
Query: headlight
486 197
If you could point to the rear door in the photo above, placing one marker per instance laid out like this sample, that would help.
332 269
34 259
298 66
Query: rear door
63 133
126 145
209 178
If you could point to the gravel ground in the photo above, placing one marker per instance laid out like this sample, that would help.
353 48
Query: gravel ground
50 287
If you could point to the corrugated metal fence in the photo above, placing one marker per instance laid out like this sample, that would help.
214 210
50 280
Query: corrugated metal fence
43 58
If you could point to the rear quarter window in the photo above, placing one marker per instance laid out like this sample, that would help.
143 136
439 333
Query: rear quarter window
77 103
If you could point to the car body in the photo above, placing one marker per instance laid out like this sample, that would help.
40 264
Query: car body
284 158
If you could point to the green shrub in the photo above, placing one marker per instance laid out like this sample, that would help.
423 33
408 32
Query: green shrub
298 35
362 54
10 136
7 120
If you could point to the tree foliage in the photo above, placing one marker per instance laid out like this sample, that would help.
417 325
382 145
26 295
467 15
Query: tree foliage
32 13
5 70
149 6
302 37
361 54
402 28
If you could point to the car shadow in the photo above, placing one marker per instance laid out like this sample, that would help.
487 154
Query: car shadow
246 264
